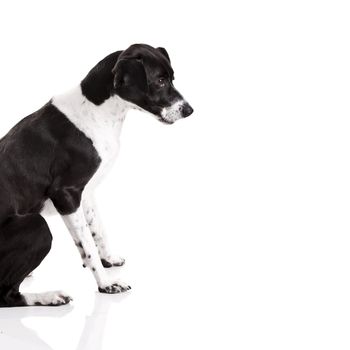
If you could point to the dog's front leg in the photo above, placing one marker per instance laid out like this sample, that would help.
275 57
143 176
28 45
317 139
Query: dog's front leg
98 233
81 234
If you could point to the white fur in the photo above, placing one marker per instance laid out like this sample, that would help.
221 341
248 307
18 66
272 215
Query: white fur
102 124
81 234
48 209
95 224
173 113
48 298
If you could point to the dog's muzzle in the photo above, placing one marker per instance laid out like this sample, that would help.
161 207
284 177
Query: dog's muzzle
178 110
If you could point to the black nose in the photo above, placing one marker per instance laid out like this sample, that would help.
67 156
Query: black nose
187 110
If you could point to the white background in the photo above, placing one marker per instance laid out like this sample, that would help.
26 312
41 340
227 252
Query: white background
234 222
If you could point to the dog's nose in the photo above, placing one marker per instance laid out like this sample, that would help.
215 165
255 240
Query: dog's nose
187 110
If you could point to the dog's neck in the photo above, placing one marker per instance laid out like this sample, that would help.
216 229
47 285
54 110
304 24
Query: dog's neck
93 107
89 117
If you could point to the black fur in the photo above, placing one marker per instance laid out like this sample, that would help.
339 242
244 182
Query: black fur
107 264
24 243
98 84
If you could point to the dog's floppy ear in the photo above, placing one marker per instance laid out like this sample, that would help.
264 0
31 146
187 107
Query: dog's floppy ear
130 72
164 53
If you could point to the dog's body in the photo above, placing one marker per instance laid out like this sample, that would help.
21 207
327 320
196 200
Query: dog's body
61 152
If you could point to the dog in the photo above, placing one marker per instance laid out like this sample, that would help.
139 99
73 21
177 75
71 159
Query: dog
59 154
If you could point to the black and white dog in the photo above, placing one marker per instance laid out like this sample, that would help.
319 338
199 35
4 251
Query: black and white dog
58 155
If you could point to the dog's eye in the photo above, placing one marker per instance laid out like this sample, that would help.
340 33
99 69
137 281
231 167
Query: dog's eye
162 82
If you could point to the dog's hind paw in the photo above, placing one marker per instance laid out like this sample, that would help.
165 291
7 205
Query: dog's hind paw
114 288
110 262
56 298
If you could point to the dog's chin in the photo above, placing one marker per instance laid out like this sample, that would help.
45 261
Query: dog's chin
169 118
166 121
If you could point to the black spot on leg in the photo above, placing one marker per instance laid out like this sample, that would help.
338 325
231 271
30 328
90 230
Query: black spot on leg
78 244
83 255
93 269
89 256
93 234
106 263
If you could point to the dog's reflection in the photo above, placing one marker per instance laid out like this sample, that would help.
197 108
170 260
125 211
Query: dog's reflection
17 334
92 335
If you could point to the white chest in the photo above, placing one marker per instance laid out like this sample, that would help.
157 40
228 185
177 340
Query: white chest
102 124
106 143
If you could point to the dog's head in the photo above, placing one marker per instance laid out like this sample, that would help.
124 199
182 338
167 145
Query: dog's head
143 76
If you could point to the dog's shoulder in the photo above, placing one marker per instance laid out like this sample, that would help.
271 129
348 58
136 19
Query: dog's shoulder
50 139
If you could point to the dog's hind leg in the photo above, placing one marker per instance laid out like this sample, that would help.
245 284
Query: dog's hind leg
24 243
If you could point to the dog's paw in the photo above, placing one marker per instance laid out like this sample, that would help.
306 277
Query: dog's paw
60 298
55 298
110 262
114 288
